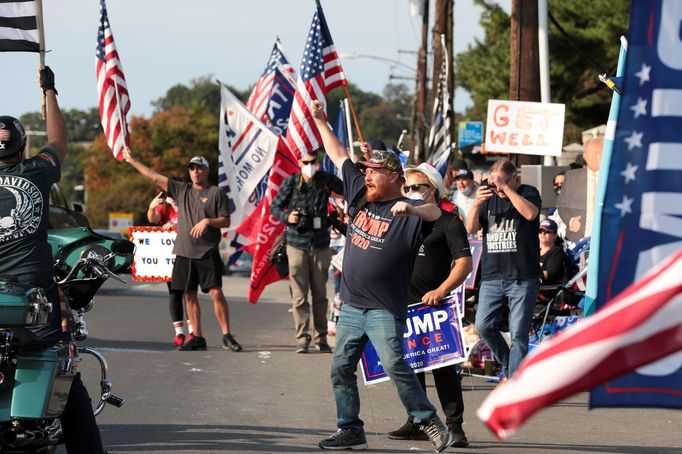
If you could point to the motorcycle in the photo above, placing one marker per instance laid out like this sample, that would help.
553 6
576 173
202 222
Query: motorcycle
35 380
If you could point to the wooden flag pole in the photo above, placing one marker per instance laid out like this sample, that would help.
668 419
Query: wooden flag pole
41 48
355 117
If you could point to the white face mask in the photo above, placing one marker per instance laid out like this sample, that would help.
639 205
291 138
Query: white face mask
417 196
309 170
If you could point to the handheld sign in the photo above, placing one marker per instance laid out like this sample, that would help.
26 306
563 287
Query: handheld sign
153 260
432 339
523 127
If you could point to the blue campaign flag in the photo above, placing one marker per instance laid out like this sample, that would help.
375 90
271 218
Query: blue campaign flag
641 220
433 338
341 133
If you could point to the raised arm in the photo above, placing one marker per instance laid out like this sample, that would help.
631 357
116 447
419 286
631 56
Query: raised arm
525 207
56 129
335 150
157 178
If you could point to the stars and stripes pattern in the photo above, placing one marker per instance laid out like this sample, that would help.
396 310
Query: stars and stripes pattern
278 66
440 137
320 73
640 326
18 26
114 102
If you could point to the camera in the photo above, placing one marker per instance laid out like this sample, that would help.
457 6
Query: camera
485 183
304 220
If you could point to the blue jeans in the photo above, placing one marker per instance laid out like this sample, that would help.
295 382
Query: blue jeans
354 328
493 296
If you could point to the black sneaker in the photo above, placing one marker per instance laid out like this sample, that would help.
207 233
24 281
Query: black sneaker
459 439
439 435
345 439
409 431
195 343
303 345
324 347
230 343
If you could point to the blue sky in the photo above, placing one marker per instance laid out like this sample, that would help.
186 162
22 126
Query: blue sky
165 42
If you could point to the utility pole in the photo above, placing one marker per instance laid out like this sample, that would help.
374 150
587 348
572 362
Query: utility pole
419 112
524 80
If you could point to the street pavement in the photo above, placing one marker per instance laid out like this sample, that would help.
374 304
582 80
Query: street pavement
269 399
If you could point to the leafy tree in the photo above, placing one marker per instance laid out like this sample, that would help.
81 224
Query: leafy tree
203 94
165 142
594 27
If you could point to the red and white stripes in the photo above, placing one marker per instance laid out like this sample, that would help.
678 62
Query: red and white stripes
640 326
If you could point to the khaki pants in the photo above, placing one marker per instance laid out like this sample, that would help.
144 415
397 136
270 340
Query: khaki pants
308 272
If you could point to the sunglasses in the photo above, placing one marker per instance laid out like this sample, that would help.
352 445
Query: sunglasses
415 187
194 167
309 162
546 231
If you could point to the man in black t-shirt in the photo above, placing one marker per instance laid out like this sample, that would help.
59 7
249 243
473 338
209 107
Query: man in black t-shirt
384 232
26 255
508 212
443 263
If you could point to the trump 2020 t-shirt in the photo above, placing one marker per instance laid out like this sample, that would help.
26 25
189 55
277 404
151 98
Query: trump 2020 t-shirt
379 253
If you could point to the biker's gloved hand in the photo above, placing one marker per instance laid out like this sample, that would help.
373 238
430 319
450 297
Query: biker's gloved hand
47 80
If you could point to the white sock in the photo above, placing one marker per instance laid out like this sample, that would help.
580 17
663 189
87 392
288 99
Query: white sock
179 328
189 326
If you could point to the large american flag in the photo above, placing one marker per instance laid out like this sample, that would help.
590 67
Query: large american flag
114 102
18 26
278 65
440 138
642 325
320 73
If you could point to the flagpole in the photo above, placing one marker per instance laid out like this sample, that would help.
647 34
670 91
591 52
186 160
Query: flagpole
41 48
349 127
352 110
124 121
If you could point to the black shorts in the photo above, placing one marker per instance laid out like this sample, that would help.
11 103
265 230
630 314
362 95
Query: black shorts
206 272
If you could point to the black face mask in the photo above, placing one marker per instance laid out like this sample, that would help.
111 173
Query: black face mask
557 190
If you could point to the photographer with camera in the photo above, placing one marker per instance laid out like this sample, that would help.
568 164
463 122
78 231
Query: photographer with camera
302 205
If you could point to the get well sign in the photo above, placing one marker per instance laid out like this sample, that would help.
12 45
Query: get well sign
523 127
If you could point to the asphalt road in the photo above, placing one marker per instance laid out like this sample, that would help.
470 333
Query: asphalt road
269 399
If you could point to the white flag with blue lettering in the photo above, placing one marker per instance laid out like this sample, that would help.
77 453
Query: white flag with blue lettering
247 150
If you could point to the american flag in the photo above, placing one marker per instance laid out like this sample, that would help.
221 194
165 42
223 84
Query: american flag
640 326
114 102
440 139
18 26
278 66
320 73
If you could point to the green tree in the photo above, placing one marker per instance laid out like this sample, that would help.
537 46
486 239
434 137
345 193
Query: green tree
165 142
202 94
594 27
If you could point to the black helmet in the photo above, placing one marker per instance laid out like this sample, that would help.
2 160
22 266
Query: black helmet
17 137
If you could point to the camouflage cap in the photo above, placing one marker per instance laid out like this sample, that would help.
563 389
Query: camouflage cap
382 160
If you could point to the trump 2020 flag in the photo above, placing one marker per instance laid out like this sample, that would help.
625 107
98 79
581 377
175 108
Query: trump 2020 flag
271 98
18 26
320 73
641 222
247 149
643 324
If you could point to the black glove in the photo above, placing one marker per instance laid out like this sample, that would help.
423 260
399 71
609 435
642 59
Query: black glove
47 80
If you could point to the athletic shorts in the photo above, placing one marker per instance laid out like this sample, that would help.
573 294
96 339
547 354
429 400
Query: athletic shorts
206 272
